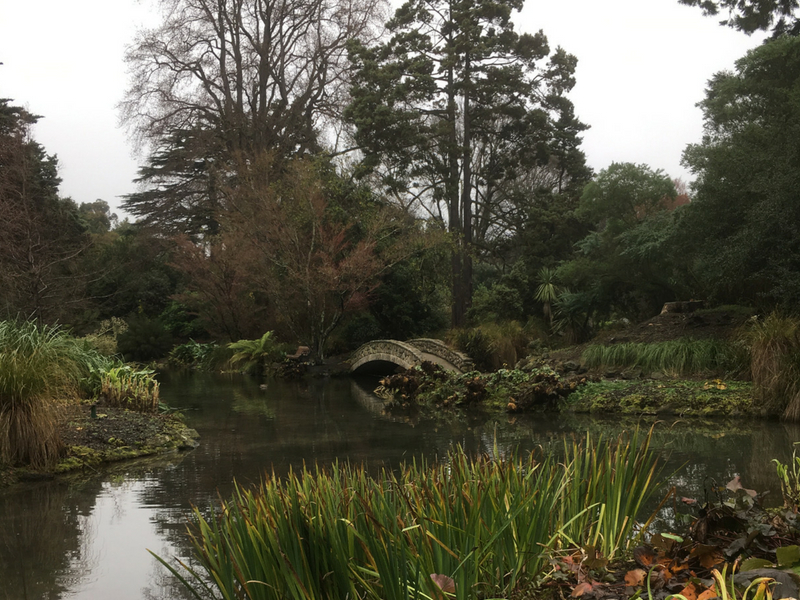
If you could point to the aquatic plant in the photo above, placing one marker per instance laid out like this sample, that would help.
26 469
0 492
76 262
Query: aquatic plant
676 357
127 387
463 528
39 366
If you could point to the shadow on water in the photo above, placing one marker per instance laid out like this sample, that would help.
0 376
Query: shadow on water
87 536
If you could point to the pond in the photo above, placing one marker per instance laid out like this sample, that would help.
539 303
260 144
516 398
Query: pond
87 536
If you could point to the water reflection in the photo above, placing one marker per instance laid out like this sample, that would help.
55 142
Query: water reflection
87 536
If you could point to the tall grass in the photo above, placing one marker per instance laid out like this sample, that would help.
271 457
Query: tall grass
39 366
775 363
472 528
676 357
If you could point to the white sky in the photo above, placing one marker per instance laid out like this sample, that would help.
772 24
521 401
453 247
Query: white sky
642 67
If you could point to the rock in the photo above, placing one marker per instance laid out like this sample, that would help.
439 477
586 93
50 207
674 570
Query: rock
571 365
158 440
786 586
632 373
189 439
657 375
682 307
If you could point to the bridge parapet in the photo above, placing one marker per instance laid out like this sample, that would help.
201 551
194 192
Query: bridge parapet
409 354
433 346
400 353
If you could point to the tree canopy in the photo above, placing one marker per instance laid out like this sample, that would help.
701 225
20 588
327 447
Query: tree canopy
750 16
456 106
743 225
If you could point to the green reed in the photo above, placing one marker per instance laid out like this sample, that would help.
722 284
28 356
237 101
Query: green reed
480 527
677 357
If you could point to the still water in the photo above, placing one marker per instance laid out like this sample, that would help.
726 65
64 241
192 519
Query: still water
87 536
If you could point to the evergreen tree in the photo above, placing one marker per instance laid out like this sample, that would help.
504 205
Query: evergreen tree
454 107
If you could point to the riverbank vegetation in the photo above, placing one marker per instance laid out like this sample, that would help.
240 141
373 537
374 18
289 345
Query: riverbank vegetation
51 385
463 527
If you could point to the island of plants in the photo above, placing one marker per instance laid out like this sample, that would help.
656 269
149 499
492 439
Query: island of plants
64 406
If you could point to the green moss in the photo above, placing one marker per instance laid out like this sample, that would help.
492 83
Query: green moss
689 398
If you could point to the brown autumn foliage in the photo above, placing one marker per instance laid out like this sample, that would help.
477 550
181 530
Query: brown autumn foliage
299 249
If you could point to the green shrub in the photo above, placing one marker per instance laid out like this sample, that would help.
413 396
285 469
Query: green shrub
252 356
104 338
133 389
492 346
482 526
145 340
194 355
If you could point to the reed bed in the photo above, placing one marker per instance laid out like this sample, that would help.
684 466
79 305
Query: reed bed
676 357
464 528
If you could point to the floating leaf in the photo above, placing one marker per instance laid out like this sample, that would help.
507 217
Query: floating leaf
735 485
445 583
788 555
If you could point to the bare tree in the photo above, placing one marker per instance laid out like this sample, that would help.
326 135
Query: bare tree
260 74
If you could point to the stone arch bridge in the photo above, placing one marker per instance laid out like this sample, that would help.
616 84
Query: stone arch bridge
383 356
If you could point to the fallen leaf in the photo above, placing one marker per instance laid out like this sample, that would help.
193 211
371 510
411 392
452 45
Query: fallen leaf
708 594
735 485
445 583
635 578
688 500
689 592
581 589
644 556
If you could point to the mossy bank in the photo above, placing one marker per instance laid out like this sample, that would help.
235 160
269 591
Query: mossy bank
709 398
114 434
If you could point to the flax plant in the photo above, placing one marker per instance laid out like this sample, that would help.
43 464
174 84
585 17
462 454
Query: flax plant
613 481
461 529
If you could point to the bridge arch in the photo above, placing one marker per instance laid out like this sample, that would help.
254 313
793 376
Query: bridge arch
383 356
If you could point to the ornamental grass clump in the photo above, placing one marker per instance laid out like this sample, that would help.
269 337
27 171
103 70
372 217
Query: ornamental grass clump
40 367
774 344
463 528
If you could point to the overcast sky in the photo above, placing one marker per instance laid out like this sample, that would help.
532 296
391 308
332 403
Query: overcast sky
642 67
